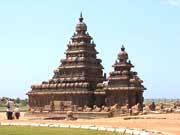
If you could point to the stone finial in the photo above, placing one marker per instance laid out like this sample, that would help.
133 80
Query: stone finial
122 48
81 18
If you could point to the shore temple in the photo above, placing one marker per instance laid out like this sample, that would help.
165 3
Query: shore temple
80 78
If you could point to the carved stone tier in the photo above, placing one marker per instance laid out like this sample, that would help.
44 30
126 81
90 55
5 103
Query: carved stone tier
61 93
100 92
80 51
79 98
81 59
118 78
81 66
77 37
124 88
60 85
79 79
123 65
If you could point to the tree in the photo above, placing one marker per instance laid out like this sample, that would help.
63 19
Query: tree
18 100
24 102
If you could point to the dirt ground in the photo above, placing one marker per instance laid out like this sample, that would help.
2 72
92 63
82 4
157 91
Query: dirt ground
168 123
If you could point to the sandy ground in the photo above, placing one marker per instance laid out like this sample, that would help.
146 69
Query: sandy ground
168 123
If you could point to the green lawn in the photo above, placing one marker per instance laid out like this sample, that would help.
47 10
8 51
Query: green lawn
27 130
2 108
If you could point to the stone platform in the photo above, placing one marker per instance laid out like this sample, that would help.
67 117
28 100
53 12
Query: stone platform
62 115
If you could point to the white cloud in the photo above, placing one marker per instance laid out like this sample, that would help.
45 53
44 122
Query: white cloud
174 3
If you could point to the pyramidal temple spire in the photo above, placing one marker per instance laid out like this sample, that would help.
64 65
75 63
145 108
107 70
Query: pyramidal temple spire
81 18
76 77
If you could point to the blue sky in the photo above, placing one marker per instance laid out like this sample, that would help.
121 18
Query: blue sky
34 34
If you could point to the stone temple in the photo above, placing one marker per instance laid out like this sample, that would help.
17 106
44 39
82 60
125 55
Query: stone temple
80 80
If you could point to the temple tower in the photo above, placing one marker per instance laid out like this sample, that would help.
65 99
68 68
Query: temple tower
76 78
124 86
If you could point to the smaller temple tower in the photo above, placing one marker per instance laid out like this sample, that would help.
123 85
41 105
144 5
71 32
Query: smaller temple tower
124 86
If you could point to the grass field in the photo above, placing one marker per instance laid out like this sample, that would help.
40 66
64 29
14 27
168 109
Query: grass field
2 108
17 130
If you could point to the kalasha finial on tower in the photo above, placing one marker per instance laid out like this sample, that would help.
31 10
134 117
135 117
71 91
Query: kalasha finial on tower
81 27
81 18
122 48
123 56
